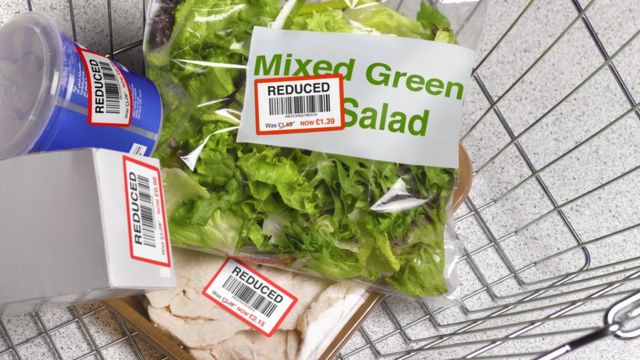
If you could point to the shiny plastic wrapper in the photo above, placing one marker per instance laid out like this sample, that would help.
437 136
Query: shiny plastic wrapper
344 218
207 331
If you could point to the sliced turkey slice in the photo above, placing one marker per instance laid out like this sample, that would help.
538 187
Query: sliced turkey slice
250 345
212 333
194 270
162 298
321 321
197 333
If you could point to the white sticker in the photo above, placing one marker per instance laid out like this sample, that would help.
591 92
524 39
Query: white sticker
250 296
299 104
138 149
402 96
109 93
146 216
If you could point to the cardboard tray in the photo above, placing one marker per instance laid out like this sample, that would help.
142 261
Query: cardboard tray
134 310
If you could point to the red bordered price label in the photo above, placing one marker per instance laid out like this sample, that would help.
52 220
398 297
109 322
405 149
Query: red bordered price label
146 216
109 91
299 104
250 296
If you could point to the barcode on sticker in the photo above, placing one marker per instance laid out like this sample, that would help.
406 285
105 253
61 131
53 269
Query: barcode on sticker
299 104
109 93
137 149
111 88
250 296
146 212
146 217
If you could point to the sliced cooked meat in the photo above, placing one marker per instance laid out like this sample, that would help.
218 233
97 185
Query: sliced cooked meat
214 334
250 345
332 307
162 298
194 270
293 344
197 333
305 288
192 304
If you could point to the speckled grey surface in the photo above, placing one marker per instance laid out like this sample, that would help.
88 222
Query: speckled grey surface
524 220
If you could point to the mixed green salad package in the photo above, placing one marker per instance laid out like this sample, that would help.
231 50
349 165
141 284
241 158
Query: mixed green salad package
316 136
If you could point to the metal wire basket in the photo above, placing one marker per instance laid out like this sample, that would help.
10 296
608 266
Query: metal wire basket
551 226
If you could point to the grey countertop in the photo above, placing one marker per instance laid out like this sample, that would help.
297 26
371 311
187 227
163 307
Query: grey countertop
570 177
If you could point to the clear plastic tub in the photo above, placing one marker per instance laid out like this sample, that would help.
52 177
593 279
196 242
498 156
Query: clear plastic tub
55 95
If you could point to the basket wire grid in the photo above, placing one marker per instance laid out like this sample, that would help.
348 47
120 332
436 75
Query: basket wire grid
79 332
518 300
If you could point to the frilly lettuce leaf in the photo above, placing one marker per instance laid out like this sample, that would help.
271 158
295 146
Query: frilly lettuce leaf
438 24
386 21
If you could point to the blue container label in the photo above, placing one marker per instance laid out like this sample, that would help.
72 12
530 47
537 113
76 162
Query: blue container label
102 104
77 134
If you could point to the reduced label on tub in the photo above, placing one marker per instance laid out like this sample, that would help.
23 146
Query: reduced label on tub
109 93
250 296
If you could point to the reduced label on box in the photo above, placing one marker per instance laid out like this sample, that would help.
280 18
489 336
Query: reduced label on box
250 296
146 216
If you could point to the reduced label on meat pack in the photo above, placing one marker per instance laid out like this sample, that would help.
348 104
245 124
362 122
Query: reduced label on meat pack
146 216
109 93
250 296
299 104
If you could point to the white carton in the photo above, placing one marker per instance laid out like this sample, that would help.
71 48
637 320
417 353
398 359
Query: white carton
79 226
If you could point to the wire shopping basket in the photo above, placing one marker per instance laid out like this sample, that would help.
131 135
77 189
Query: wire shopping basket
551 227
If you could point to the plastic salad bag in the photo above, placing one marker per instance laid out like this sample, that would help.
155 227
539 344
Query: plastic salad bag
331 171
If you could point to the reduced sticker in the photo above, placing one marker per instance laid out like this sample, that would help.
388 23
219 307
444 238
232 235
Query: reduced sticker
146 216
109 92
299 104
250 296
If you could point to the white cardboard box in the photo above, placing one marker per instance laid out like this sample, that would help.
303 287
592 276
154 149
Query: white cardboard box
79 226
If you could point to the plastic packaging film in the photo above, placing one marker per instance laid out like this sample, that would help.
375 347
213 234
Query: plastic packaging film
343 217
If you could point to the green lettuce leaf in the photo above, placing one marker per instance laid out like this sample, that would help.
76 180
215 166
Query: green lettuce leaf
438 24
386 21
